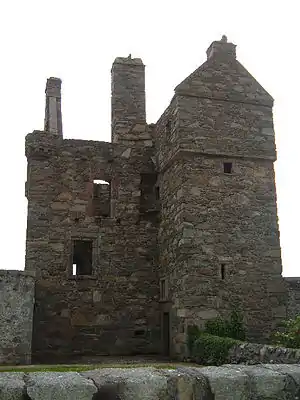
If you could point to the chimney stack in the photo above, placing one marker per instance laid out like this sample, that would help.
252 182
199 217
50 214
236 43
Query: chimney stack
221 49
53 117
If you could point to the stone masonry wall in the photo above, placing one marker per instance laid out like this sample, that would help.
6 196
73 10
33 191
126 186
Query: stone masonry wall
114 310
255 353
228 221
110 305
293 287
16 316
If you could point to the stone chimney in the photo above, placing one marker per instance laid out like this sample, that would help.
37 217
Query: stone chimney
221 49
128 100
53 117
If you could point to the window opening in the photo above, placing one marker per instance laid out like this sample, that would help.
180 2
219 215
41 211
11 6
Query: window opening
139 332
148 192
168 128
101 198
163 289
222 271
227 167
157 194
82 257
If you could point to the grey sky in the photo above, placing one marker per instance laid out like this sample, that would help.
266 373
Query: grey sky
78 41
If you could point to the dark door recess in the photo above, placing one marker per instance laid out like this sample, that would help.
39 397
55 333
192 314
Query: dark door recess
166 333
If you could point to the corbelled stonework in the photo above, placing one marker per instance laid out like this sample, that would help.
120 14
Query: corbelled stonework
185 228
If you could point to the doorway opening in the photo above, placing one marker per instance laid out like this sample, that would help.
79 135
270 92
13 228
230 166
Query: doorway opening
166 333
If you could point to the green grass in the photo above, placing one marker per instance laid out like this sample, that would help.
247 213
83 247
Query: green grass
86 367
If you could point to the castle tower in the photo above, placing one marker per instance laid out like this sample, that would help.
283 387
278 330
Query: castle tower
219 237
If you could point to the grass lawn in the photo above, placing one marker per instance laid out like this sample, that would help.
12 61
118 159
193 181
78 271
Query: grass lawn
88 367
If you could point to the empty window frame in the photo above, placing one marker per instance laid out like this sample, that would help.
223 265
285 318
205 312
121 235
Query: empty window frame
82 263
227 167
101 198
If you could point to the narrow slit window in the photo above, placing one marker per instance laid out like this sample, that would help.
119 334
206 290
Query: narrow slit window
227 167
157 194
168 128
222 271
139 332
82 257
163 289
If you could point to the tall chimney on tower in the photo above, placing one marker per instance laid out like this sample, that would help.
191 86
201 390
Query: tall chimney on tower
53 117
128 104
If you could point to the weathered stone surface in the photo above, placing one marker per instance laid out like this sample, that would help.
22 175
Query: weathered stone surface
267 384
137 383
293 287
16 316
227 384
291 371
59 386
151 383
12 386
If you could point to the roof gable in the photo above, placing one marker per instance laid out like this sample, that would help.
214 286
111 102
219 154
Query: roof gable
224 78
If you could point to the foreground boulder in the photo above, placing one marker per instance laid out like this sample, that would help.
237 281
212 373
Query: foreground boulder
12 386
59 386
228 382
150 383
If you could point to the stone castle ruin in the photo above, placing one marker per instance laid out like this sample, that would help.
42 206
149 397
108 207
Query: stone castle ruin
168 225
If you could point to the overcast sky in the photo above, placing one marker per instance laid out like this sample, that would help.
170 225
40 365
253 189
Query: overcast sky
78 41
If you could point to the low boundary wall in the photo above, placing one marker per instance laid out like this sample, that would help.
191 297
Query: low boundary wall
16 316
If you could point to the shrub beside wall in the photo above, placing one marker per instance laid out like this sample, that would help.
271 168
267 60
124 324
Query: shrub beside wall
291 335
212 350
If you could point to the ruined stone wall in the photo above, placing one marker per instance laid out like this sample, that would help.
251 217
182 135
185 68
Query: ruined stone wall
293 288
115 308
94 248
16 316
